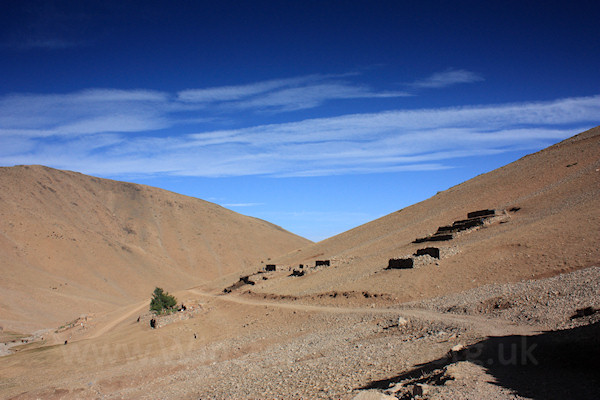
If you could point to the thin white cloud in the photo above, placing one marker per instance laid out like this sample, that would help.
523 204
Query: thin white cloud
95 111
425 127
360 170
112 132
282 95
312 96
234 205
447 78
85 112
112 123
239 92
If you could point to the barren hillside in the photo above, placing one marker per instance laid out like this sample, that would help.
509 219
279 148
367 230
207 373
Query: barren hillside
546 221
73 244
521 274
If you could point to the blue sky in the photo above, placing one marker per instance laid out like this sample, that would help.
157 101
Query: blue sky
317 116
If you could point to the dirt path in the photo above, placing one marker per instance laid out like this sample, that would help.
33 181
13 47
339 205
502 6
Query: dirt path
485 326
110 325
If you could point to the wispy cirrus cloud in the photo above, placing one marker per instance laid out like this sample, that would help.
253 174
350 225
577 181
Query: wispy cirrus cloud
112 132
298 98
447 78
283 95
119 132
87 112
235 205
95 111
240 92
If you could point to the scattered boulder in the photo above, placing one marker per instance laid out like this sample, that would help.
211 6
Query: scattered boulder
395 388
270 267
420 389
297 273
402 321
584 312
458 353
322 262
458 347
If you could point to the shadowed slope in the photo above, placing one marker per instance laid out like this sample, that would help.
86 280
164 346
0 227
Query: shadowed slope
71 243
557 364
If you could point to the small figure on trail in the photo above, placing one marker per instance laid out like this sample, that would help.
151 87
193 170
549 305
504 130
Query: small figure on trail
138 320
194 336
153 323
65 342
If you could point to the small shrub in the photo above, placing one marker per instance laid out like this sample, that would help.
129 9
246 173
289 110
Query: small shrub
162 302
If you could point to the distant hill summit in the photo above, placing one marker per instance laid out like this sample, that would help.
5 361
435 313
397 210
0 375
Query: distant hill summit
71 243
538 216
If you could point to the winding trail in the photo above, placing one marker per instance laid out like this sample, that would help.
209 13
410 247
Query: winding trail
485 326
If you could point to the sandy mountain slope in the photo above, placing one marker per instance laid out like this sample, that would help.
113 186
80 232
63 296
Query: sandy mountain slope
344 331
555 229
73 244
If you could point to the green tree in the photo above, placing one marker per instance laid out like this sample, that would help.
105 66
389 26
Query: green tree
162 301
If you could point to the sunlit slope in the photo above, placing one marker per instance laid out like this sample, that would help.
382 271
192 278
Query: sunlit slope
71 243
556 228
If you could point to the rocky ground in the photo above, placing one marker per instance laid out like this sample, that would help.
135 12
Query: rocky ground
531 339
556 363
550 303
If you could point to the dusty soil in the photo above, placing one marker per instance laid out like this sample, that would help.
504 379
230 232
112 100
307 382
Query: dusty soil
255 348
508 311
72 244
